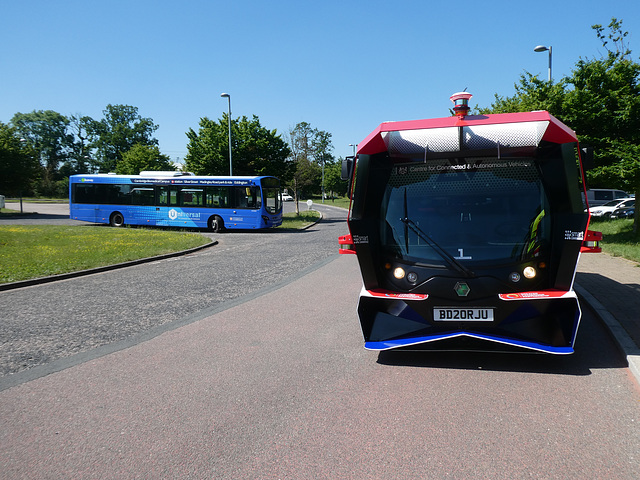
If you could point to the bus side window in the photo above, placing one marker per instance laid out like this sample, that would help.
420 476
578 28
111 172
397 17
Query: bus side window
241 197
142 196
217 197
248 197
251 197
192 197
167 196
163 196
83 193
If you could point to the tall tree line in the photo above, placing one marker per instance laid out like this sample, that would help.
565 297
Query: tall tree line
39 150
303 161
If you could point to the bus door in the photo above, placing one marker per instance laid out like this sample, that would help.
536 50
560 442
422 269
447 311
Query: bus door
247 203
191 199
143 201
167 204
83 202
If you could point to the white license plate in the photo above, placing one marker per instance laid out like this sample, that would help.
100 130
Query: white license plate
456 314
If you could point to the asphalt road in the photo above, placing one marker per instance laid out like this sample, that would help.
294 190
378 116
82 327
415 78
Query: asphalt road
275 383
48 214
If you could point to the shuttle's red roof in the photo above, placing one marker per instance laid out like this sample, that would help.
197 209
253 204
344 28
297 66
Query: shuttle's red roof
555 131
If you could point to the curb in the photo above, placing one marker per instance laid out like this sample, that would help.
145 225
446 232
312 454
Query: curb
624 342
106 268
316 222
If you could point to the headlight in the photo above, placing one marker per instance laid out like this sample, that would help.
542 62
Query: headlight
398 273
529 272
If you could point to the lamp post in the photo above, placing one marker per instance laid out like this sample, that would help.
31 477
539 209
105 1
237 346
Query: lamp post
543 48
229 122
354 145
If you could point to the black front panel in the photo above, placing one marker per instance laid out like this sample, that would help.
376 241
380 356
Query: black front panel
488 217
551 322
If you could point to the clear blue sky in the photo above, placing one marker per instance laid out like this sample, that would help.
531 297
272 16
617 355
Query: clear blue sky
343 66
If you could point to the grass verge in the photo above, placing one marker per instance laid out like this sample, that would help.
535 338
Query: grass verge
303 219
34 251
619 239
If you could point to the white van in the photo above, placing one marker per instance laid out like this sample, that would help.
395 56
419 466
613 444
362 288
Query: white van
600 196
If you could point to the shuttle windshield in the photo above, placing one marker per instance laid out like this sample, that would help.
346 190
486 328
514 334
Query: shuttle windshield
465 211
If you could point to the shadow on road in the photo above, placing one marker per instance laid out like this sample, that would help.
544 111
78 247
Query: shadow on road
594 349
33 216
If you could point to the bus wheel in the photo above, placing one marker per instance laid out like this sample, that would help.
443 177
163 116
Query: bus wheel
216 224
116 220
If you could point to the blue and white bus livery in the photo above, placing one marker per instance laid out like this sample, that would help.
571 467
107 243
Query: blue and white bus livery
176 200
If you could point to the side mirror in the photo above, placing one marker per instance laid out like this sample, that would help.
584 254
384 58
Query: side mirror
347 168
586 154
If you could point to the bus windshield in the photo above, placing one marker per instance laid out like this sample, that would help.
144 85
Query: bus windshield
271 193
465 211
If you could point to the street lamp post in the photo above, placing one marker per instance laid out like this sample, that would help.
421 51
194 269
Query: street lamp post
229 122
354 145
543 48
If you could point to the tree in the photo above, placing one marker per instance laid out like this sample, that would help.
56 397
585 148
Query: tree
604 108
322 153
18 165
205 150
310 152
120 129
531 94
260 151
143 157
255 149
59 143
79 159
46 132
600 100
300 141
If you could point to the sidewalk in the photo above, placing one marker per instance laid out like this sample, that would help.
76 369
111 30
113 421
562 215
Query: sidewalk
611 286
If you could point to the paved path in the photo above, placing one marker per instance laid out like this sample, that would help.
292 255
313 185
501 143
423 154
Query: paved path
611 285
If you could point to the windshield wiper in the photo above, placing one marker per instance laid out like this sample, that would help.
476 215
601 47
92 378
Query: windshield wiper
456 265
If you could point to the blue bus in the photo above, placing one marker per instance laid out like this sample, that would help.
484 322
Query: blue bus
176 199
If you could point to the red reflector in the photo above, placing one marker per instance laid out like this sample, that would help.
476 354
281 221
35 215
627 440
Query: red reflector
346 244
591 242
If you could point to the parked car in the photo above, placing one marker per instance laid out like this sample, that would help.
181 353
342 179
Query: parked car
600 196
287 198
627 212
608 208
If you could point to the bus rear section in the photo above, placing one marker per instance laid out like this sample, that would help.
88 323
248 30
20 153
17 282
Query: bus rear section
468 230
